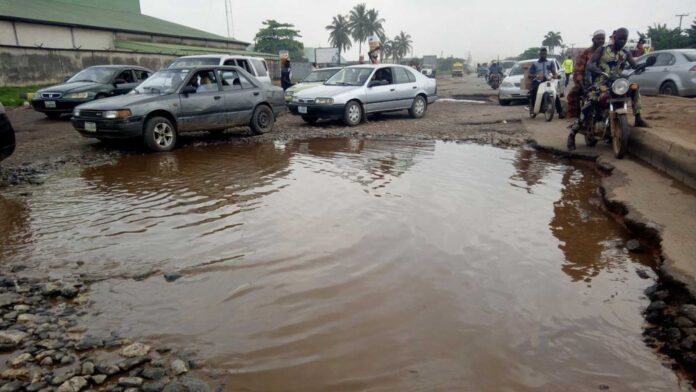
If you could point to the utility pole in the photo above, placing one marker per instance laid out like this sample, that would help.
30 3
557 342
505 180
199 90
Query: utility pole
227 19
681 16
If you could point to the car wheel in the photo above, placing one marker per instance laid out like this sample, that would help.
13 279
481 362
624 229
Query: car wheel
310 119
669 88
262 121
53 116
353 114
418 107
503 102
160 135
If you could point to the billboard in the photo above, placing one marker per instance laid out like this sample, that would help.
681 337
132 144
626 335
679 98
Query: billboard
326 56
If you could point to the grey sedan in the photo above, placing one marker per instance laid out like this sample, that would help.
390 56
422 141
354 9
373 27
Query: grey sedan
359 90
179 100
674 73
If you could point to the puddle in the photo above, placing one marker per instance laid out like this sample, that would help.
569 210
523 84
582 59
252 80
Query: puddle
347 264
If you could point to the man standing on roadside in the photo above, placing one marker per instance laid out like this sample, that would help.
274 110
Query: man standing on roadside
568 68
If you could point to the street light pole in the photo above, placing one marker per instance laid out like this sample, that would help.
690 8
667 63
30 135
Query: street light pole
681 16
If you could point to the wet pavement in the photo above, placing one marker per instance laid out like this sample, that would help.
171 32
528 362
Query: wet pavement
351 264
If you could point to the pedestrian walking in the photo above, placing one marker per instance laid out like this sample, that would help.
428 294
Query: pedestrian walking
568 69
286 75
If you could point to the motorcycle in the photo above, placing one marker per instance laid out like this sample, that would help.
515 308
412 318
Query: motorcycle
494 81
546 99
607 119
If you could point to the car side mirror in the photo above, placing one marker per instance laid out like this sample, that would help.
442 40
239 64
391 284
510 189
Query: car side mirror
188 90
650 61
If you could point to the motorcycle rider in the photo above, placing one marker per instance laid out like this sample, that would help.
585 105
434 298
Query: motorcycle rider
541 71
581 83
495 69
611 60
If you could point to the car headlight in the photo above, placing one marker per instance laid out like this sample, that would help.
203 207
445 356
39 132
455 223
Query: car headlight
81 95
288 93
324 101
507 84
123 113
620 87
76 112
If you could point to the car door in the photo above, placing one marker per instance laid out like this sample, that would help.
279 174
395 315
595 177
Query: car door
379 98
240 96
653 76
406 88
129 82
204 109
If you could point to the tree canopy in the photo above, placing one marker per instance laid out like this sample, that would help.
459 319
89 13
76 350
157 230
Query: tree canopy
529 54
275 36
339 34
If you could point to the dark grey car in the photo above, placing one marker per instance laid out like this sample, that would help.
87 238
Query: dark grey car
91 83
173 101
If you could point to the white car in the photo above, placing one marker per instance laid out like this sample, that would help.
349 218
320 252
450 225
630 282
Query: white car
511 89
358 90
256 66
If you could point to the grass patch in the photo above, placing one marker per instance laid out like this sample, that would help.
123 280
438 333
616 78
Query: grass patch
9 96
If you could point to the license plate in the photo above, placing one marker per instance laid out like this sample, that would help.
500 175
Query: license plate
90 127
50 104
302 109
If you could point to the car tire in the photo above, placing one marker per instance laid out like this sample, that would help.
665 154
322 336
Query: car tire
418 107
353 113
669 88
53 116
160 134
503 102
262 120
310 119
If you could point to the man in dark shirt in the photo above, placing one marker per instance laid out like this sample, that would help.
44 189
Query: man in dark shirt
543 70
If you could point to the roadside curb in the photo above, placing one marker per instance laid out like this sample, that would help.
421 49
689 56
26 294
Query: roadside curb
667 156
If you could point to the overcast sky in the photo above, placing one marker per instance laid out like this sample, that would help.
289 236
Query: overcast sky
441 27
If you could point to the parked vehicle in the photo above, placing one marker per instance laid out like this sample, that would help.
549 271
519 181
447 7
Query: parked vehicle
545 101
481 72
607 119
674 73
458 70
429 72
178 100
101 81
314 79
7 135
256 66
359 90
507 66
512 88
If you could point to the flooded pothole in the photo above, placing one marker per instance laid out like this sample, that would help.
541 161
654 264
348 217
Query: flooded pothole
352 264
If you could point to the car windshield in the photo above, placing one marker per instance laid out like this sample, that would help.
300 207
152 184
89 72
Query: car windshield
508 64
94 74
162 82
350 77
516 70
189 62
321 75
690 55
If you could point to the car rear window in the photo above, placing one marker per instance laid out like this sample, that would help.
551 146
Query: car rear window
194 62
411 76
690 55
401 75
260 67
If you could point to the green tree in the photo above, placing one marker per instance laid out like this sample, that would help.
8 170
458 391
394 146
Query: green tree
691 33
529 54
552 40
388 48
402 45
359 24
375 26
275 36
339 34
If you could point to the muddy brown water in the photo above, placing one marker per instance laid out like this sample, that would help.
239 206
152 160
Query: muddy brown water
350 265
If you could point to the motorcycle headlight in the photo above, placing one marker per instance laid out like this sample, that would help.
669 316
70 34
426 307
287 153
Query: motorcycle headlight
81 95
324 101
620 87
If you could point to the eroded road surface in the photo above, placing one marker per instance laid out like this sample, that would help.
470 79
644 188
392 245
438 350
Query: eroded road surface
350 264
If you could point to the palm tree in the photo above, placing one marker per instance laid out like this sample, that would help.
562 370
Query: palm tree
402 45
388 48
358 20
339 34
375 26
552 40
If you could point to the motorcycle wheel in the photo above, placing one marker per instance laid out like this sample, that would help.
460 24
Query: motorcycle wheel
620 133
550 107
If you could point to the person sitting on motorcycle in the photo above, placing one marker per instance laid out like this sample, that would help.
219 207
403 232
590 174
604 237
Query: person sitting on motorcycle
495 69
541 71
608 62
581 84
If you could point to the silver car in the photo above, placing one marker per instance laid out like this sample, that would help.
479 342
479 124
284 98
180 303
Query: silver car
359 90
674 73
511 89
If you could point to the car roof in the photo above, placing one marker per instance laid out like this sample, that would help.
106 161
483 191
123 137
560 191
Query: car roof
376 65
234 56
117 66
328 69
